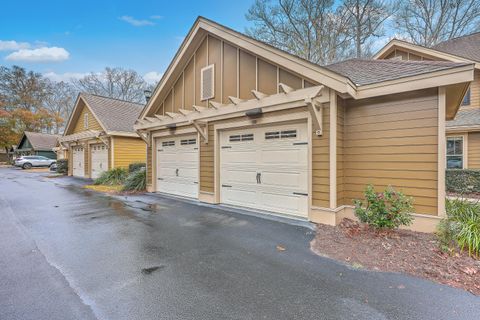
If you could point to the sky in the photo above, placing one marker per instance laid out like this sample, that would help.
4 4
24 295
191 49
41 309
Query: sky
64 39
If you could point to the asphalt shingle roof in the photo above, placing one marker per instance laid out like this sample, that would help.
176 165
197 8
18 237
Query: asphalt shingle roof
114 114
465 117
466 46
42 141
363 72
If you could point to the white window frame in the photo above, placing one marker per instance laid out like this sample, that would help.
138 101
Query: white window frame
464 150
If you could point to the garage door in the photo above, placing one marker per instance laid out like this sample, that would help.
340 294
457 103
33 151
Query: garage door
99 159
177 166
78 162
266 168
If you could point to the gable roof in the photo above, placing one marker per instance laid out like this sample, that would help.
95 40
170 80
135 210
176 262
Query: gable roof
465 118
114 115
466 46
40 141
363 72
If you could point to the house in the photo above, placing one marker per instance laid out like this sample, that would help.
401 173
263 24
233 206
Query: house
36 143
237 122
463 132
99 136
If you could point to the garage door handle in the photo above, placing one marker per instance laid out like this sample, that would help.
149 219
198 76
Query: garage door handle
226 147
259 178
299 143
226 186
176 172
160 178
300 194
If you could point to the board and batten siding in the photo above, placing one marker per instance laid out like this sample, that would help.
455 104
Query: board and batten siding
392 140
79 121
237 73
128 150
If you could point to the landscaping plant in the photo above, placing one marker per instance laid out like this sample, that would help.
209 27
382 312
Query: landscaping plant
136 181
111 177
62 166
461 227
136 166
385 210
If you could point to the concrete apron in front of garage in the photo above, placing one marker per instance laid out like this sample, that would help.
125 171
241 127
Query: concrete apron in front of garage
134 258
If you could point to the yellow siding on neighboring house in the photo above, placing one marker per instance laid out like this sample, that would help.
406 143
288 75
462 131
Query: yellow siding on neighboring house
473 146
128 150
93 124
393 140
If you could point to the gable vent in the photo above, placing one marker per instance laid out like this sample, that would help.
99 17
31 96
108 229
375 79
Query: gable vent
207 82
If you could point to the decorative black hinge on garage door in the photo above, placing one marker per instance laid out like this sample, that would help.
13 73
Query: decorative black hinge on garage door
226 147
160 178
226 186
299 143
300 194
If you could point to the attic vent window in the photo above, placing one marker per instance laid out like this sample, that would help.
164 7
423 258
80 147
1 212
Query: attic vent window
85 121
207 82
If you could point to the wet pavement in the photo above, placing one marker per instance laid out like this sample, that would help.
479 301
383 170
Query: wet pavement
71 253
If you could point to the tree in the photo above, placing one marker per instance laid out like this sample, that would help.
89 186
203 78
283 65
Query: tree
60 103
428 22
366 19
312 29
114 83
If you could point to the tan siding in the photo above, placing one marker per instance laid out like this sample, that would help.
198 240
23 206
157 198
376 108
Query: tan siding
340 158
473 150
247 75
392 141
86 158
321 163
189 85
207 162
229 71
92 122
267 77
475 91
178 95
149 165
215 58
128 150
290 79
200 62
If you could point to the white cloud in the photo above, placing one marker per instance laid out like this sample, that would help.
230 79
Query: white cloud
135 22
65 77
156 17
44 54
152 77
13 45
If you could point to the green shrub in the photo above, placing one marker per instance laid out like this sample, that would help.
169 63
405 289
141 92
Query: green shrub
135 166
462 180
112 177
461 228
62 166
136 181
389 209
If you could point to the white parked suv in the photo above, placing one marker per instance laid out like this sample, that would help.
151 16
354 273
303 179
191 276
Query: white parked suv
27 162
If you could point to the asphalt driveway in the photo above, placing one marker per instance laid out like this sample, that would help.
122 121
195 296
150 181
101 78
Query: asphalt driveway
70 253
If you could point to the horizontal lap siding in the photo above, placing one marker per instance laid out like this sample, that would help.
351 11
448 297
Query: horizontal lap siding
340 157
207 162
149 164
473 150
321 163
393 141
128 150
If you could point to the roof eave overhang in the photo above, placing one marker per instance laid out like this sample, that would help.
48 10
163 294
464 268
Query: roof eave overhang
202 27
393 44
122 134
466 128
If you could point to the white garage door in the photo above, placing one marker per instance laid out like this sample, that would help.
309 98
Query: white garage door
177 166
99 159
266 168
78 162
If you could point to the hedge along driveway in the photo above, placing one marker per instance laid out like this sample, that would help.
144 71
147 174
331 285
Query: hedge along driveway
462 180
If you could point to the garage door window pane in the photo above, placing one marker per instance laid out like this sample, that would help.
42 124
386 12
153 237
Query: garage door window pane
188 141
241 137
454 152
168 143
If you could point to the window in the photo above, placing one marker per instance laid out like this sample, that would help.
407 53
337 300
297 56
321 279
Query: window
168 143
85 120
280 134
454 152
188 141
466 99
241 137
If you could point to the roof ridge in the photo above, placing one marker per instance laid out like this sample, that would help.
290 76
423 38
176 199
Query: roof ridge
105 97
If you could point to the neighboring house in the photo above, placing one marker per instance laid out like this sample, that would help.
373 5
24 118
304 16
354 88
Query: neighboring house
235 121
99 136
39 144
463 133
3 155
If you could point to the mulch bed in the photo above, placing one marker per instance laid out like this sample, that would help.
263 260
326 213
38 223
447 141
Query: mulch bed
404 251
